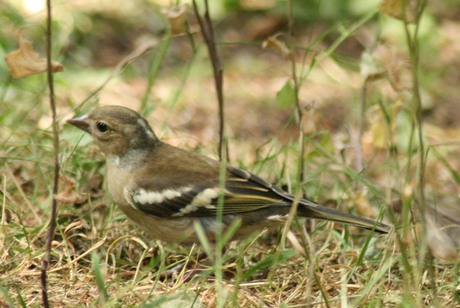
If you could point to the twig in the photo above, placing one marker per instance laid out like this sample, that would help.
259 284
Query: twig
295 80
208 35
52 223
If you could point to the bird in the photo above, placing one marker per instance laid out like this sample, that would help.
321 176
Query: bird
167 190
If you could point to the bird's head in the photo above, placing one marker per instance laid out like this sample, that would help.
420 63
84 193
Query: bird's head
116 130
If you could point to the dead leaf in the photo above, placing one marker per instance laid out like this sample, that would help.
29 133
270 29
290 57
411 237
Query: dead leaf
405 10
68 195
74 226
94 185
385 61
177 16
25 61
274 43
398 68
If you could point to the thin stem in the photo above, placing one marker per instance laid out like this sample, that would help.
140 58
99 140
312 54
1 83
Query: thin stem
208 35
413 46
52 223
295 80
412 41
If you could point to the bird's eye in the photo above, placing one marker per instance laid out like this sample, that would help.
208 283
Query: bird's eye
102 127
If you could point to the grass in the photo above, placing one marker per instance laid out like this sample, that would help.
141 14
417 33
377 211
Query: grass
100 259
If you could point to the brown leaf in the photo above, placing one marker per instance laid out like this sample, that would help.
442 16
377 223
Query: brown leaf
68 195
405 10
398 68
94 186
177 16
25 61
274 43
385 61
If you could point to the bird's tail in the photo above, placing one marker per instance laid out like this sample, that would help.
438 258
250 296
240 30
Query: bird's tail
311 209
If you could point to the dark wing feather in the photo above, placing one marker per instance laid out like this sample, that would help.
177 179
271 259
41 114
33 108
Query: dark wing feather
244 192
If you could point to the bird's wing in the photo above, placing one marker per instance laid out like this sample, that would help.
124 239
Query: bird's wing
243 192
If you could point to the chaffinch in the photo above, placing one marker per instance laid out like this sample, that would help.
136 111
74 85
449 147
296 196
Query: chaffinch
164 189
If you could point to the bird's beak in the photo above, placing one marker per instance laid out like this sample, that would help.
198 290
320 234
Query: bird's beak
81 122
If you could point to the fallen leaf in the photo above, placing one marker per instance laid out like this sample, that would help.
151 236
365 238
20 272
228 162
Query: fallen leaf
94 185
25 61
68 195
